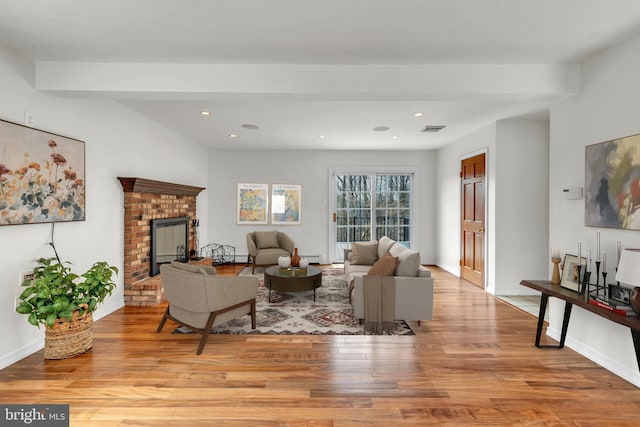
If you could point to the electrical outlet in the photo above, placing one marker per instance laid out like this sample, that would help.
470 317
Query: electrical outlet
29 119
27 275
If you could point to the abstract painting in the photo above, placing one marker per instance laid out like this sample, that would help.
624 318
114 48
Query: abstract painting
286 202
612 194
253 203
42 176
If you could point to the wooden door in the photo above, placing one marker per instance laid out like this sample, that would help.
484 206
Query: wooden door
472 177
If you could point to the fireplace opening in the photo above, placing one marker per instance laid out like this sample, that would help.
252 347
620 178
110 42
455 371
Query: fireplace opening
169 242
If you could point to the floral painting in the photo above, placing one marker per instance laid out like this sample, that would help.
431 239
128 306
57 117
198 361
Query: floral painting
612 194
286 202
41 176
253 203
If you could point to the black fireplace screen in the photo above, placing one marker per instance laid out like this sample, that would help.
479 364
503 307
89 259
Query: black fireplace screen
169 242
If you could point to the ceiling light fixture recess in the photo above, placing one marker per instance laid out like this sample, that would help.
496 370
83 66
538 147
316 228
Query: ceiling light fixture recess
381 128
418 114
395 137
232 135
321 136
205 113
251 127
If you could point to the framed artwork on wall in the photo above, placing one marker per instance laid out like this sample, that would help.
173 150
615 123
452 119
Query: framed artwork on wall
570 278
286 204
253 203
612 184
42 176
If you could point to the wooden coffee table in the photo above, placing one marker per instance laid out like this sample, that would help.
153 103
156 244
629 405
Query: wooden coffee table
293 280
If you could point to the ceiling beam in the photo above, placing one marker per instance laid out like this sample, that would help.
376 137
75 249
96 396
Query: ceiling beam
380 82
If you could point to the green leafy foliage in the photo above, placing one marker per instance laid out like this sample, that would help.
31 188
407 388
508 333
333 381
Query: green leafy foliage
56 292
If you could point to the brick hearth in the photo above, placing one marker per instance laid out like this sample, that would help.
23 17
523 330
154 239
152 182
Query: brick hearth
145 200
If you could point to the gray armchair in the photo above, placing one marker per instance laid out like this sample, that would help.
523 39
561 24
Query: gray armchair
199 299
265 247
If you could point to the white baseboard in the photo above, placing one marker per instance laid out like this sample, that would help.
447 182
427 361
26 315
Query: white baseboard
38 345
108 308
624 372
453 270
21 353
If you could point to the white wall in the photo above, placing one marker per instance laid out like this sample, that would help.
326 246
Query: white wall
118 142
522 204
516 223
606 108
311 169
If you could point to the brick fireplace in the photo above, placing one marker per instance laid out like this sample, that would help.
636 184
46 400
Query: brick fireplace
145 200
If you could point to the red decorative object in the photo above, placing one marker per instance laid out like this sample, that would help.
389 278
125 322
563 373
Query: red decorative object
295 258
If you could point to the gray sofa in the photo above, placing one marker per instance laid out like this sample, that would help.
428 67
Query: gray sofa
414 284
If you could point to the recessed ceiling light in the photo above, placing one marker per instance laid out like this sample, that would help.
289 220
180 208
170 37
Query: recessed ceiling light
205 113
381 128
250 127
418 114
321 136
395 137
232 135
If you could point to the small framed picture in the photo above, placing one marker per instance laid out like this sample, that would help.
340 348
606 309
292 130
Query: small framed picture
286 204
253 203
570 272
620 294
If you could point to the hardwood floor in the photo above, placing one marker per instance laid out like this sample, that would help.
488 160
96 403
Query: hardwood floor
474 364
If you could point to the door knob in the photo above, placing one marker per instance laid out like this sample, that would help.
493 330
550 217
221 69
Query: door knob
481 230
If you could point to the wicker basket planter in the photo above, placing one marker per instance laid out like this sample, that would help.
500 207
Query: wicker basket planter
69 338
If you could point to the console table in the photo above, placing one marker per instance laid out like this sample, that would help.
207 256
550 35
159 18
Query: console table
570 298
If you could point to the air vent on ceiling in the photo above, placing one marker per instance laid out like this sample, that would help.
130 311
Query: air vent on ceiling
433 128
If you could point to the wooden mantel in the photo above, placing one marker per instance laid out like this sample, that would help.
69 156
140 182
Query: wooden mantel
141 185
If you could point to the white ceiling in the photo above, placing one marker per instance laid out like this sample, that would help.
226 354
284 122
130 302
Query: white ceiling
303 68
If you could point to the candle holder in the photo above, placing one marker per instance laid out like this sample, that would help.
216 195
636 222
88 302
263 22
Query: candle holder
581 280
597 286
584 289
555 275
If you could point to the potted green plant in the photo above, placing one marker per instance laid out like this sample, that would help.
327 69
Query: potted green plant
63 302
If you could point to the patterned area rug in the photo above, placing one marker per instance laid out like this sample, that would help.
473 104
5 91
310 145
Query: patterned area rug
296 313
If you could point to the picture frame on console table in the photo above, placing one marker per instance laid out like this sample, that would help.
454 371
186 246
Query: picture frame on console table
286 204
619 293
253 203
42 176
570 278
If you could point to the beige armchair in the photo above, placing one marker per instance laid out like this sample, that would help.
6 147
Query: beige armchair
200 300
265 247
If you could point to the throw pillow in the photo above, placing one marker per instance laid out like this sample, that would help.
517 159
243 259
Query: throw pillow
364 253
266 239
384 245
408 261
385 266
